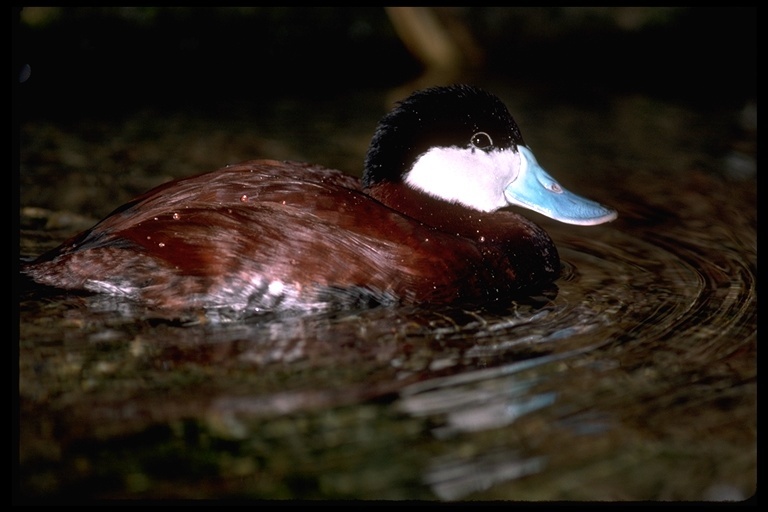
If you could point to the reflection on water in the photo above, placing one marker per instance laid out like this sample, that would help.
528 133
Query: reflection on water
634 379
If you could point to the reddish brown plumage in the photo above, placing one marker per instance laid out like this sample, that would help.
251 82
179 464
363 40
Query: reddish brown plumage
223 238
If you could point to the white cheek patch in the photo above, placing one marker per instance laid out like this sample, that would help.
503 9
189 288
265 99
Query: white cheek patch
475 179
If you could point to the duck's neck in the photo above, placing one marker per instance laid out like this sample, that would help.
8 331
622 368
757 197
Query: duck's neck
500 228
437 213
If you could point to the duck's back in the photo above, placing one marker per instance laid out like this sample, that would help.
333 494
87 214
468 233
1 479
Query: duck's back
264 235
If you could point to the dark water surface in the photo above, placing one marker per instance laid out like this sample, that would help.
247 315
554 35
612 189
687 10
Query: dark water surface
633 379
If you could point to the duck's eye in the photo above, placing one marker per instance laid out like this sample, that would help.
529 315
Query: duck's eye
481 140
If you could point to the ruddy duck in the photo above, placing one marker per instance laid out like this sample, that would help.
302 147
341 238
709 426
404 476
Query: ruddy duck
424 225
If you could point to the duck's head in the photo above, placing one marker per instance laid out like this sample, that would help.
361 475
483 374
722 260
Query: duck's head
460 144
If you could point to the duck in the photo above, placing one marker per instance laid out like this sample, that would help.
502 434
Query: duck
432 221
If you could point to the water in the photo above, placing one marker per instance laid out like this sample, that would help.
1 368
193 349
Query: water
633 379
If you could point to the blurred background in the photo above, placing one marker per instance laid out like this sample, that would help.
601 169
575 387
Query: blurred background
79 59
